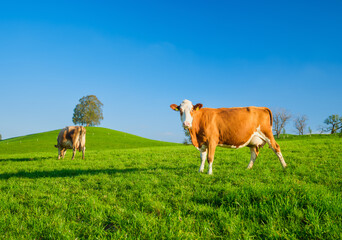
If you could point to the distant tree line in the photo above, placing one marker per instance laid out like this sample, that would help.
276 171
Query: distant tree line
282 117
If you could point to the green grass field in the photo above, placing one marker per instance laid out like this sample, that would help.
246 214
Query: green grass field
135 188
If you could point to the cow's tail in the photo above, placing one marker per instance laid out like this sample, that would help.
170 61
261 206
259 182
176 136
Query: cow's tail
271 116
56 146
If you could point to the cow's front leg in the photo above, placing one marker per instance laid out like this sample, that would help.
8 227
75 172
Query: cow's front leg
211 154
63 153
59 153
203 151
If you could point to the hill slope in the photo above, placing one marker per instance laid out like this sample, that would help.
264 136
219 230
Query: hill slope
97 139
147 192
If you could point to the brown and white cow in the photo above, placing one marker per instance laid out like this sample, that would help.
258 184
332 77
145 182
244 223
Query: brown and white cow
73 137
229 127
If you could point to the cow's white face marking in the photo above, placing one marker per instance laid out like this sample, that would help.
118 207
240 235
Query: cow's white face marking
186 108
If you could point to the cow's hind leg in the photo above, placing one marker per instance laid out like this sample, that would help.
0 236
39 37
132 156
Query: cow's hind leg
254 155
276 149
73 153
204 152
83 151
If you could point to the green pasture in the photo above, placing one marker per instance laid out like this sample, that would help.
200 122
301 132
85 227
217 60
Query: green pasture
134 188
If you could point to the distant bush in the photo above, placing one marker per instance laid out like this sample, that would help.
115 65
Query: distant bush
0 137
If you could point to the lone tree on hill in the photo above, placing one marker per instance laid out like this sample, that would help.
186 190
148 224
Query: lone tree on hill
334 123
0 137
280 119
88 112
300 124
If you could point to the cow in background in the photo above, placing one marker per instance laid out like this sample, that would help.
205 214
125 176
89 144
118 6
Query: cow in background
228 127
73 137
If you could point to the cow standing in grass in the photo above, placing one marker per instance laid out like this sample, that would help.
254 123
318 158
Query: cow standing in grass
73 137
228 127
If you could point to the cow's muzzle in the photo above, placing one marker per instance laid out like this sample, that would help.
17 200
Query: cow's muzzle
186 125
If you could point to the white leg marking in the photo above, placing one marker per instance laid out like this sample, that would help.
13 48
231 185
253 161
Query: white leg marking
203 158
253 157
281 159
210 171
280 156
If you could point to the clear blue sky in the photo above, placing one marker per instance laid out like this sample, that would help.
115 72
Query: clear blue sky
138 57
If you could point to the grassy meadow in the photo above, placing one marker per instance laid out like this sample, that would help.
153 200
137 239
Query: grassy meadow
136 188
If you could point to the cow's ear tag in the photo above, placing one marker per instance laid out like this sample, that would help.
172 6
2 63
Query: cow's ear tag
197 108
176 109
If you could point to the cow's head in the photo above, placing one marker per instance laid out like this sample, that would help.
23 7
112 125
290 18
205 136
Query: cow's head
186 110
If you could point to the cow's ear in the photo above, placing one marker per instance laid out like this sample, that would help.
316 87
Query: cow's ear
174 107
198 106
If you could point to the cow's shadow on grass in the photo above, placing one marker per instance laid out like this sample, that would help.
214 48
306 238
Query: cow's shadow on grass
76 172
23 159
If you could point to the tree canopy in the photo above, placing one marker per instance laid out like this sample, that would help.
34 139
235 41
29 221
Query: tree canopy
88 112
334 123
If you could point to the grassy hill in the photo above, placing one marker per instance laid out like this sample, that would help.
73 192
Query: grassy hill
97 139
135 188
